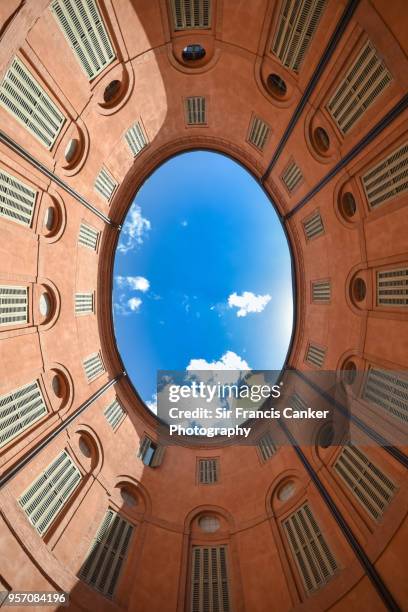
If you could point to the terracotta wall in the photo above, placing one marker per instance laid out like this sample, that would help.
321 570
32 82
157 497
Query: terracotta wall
263 574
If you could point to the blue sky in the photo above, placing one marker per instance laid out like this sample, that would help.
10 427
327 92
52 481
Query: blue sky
202 273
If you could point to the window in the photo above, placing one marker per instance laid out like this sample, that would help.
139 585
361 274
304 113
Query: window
88 236
389 391
313 226
314 560
50 491
19 410
347 205
315 355
23 97
297 23
297 402
372 488
326 435
291 176
208 472
195 111
193 52
321 139
365 80
114 414
112 91
85 31
93 366
105 185
209 579
107 554
276 85
258 133
209 524
17 200
388 178
135 138
266 446
150 452
321 292
392 287
84 303
191 14
13 305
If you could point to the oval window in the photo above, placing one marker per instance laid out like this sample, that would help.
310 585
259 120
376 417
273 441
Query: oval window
193 52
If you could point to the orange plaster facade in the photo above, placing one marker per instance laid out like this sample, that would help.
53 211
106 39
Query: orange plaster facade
263 575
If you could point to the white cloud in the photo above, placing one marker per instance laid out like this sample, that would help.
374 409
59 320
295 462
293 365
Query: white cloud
228 361
134 304
134 229
136 283
248 302
152 403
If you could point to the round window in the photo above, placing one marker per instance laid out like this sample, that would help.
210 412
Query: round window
193 52
349 373
49 218
322 139
45 304
326 436
85 447
128 498
111 91
209 524
287 491
276 85
359 289
348 205
71 150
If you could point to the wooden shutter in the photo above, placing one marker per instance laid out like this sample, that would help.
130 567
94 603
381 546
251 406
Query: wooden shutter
136 138
23 97
86 33
93 366
158 456
258 133
315 355
196 111
50 491
105 185
144 446
266 446
291 176
114 414
88 236
388 178
19 409
321 292
370 486
314 560
107 554
364 81
17 200
209 579
389 391
297 402
13 305
191 14
207 471
84 303
296 26
313 226
392 287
